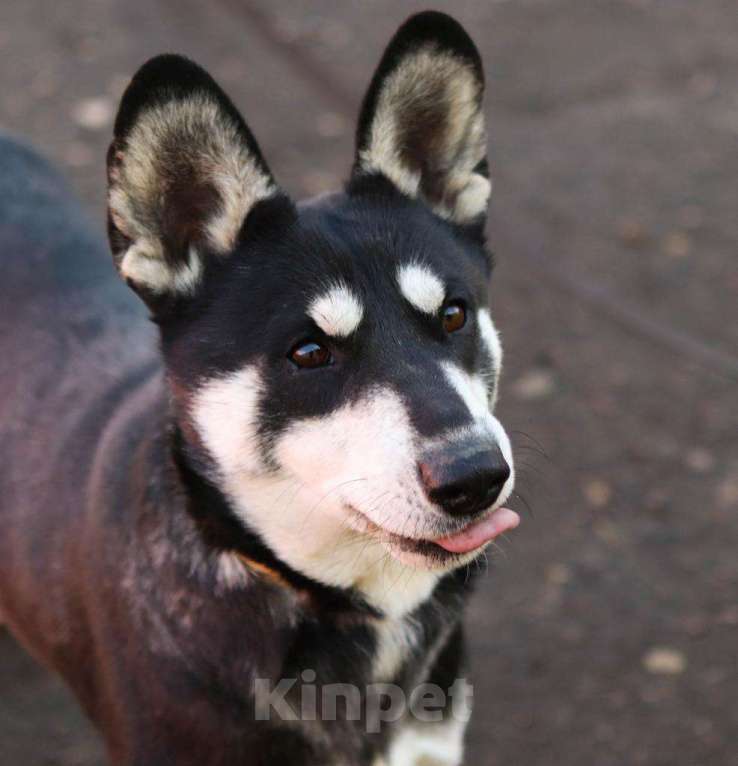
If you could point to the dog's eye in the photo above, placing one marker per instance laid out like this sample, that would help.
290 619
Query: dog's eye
310 354
454 316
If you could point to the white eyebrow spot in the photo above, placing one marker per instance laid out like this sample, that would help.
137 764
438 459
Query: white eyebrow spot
337 312
421 287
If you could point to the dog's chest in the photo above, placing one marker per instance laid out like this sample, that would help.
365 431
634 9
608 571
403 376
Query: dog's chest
397 643
362 658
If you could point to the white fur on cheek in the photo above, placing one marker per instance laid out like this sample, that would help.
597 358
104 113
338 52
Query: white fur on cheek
224 411
337 311
356 452
361 455
421 287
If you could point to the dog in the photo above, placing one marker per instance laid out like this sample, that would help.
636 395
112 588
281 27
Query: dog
288 496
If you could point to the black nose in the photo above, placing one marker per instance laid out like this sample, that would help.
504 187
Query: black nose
464 485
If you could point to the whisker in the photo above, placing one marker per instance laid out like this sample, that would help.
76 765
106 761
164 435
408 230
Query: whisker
532 438
517 494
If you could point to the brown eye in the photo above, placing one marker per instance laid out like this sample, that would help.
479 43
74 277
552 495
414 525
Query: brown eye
454 317
310 354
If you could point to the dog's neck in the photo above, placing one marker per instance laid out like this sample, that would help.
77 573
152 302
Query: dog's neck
222 533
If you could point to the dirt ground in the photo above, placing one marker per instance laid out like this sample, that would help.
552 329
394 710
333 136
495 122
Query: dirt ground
606 632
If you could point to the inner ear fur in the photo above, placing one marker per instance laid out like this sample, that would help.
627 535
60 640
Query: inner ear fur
184 172
421 124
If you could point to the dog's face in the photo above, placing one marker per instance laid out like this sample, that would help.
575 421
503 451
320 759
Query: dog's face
334 363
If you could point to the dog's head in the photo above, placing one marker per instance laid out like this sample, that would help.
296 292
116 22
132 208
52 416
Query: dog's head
333 364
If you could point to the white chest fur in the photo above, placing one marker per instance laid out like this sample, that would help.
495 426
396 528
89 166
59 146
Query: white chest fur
427 744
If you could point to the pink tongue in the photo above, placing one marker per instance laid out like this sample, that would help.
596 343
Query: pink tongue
480 532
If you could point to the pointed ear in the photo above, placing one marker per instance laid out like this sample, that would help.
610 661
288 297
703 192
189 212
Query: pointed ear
184 172
421 123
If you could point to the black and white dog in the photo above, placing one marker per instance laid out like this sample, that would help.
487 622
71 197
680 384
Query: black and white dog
291 501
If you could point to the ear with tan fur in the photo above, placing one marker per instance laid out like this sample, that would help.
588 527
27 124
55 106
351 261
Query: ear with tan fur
421 123
184 173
